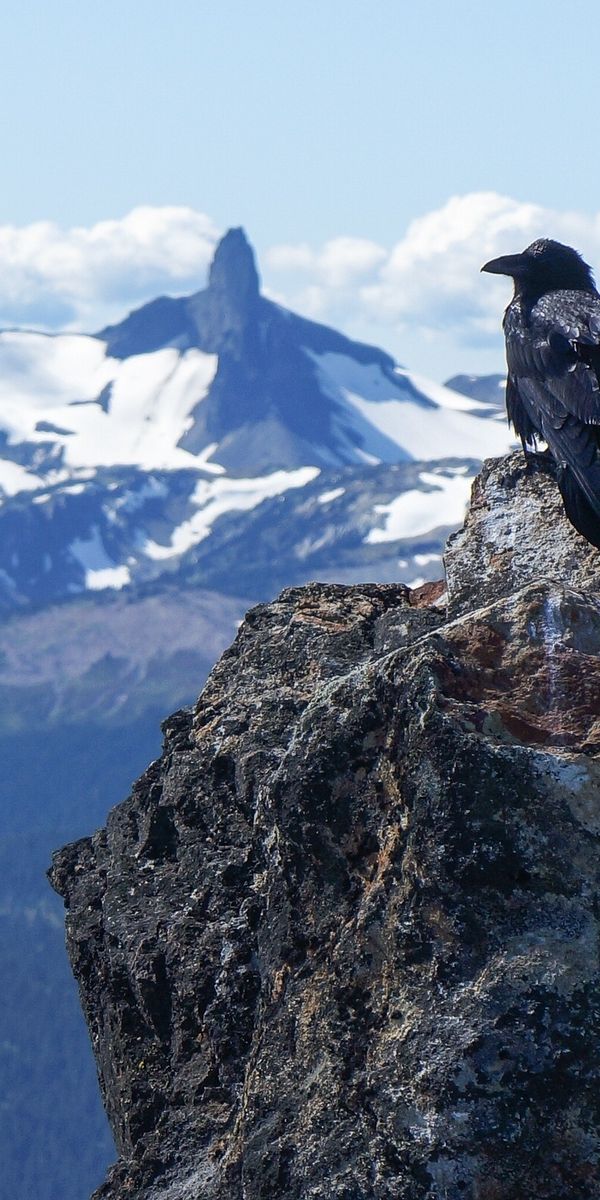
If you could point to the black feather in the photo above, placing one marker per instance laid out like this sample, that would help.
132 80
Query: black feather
552 331
580 512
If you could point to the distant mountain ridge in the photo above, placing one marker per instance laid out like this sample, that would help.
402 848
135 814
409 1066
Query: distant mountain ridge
121 453
275 376
489 389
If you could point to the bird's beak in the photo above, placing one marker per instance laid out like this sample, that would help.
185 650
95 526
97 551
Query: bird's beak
508 264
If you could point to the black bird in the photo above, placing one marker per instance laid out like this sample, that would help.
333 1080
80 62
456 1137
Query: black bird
552 330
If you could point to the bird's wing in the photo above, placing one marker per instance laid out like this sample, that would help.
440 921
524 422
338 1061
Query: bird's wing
554 358
573 443
580 512
518 413
561 347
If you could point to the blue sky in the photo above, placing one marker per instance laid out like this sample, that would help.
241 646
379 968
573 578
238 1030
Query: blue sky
307 123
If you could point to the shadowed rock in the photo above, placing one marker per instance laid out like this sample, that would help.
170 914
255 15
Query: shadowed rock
341 941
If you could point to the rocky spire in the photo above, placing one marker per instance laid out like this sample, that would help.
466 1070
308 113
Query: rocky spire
233 275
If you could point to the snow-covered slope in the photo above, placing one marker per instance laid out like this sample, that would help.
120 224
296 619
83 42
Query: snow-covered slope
67 406
121 453
395 416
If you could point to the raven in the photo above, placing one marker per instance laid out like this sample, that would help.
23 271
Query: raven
552 331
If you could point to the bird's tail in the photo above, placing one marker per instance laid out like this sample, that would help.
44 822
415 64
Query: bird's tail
580 512
575 449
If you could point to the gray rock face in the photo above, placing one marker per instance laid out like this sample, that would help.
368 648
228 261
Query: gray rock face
515 532
341 943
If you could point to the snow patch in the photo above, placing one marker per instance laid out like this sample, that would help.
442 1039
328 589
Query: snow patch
107 577
445 397
334 494
416 512
100 570
397 415
215 497
15 478
60 379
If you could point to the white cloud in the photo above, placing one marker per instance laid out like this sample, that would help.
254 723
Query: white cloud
341 262
80 277
428 284
423 298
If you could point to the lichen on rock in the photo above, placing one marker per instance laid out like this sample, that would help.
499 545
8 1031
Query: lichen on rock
341 942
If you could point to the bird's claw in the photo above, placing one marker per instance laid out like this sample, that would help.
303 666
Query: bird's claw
540 460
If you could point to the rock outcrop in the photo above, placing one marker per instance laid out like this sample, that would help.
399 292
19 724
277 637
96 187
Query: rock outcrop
341 942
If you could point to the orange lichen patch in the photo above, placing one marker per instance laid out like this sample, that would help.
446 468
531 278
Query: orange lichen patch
500 559
481 646
592 741
312 999
376 867
521 729
544 691
441 927
427 594
322 620
278 983
327 616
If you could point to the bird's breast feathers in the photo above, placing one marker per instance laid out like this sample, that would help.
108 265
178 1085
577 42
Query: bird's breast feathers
560 334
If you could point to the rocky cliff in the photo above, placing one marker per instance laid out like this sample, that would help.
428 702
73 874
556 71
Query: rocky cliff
341 942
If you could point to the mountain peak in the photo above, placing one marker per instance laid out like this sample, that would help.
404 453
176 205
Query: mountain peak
233 270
